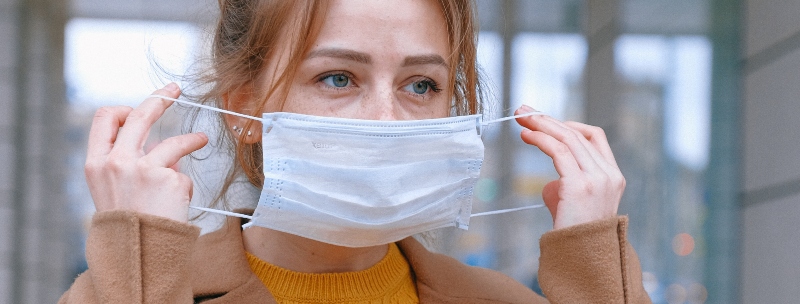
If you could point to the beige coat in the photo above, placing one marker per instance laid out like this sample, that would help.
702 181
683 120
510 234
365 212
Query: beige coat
136 258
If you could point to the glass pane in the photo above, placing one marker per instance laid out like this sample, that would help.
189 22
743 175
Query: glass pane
662 150
113 62
546 74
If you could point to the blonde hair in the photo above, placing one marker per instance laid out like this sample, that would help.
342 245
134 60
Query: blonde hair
250 32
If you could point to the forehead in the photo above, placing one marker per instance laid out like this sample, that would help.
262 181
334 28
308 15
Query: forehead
390 27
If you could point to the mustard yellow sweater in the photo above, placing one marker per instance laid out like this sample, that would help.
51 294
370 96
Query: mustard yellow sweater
388 281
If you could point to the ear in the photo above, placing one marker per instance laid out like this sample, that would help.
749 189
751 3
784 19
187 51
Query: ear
243 129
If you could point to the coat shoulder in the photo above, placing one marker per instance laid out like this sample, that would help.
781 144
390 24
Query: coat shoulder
443 279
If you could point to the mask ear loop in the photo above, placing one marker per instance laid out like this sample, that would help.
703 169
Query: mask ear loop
228 213
223 212
202 106
482 124
486 123
501 211
480 129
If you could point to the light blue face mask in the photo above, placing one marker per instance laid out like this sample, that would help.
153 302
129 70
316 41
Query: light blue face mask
358 183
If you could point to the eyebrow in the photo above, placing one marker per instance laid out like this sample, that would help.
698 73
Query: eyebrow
367 59
342 54
425 59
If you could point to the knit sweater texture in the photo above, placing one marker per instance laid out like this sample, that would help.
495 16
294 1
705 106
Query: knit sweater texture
387 282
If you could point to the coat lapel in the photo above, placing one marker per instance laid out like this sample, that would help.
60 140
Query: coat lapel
221 273
442 279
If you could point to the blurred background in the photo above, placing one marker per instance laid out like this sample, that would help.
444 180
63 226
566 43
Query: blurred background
698 98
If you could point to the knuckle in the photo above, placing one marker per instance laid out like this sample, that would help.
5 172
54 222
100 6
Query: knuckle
184 184
572 138
92 167
116 164
561 150
110 111
583 186
137 115
616 177
141 164
587 188
184 181
597 132
104 112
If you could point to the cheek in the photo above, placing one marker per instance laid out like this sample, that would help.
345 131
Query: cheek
305 99
443 110
299 101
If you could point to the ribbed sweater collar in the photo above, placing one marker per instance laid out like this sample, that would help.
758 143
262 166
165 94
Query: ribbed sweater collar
383 278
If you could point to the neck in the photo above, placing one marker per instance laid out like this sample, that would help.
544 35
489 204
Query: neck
305 255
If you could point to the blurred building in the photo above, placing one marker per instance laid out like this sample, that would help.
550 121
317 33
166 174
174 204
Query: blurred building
697 98
37 231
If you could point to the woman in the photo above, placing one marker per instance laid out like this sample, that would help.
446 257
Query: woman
368 60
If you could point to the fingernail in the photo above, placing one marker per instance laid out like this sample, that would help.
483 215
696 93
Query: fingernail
171 87
526 109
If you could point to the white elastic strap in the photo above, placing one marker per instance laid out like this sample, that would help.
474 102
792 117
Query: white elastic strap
228 213
223 212
511 117
202 106
506 210
188 103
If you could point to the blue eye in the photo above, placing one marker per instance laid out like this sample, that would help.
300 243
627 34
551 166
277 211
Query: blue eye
422 87
338 80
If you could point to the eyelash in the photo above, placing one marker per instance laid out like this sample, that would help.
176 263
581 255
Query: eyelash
321 79
432 84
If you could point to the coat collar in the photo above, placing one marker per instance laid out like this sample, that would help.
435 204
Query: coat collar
220 270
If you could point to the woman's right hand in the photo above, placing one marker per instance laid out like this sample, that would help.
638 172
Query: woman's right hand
121 176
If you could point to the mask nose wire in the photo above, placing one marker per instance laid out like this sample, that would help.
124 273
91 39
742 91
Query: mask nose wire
202 106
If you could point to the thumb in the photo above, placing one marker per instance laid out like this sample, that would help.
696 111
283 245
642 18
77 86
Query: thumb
168 152
550 197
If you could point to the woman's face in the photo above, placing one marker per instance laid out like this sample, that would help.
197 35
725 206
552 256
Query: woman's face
378 60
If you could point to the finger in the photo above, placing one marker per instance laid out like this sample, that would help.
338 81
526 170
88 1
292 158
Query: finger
597 159
169 152
103 133
562 133
597 138
137 126
563 160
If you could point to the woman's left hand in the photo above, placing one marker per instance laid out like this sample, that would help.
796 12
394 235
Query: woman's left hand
590 184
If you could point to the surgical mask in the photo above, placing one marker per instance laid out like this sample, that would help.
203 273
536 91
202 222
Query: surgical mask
359 183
